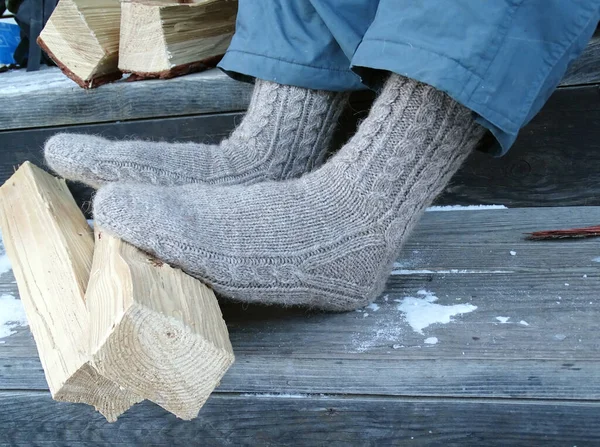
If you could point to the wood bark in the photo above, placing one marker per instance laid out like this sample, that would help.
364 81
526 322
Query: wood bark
167 38
82 38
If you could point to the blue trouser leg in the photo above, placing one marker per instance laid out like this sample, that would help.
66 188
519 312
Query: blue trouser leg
287 41
502 58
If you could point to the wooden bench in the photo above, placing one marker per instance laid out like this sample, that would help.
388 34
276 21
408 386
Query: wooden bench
522 368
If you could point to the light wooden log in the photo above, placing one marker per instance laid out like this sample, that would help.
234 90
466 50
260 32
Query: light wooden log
51 247
154 329
167 38
82 38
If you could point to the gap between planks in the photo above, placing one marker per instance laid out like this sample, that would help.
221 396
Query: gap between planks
366 397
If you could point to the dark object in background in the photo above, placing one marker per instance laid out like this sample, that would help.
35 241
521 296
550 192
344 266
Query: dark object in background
31 16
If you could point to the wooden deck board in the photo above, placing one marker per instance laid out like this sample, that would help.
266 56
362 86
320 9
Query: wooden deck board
48 98
586 69
240 420
548 166
22 145
353 375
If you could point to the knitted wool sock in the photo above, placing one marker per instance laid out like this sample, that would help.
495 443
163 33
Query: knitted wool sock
326 240
285 133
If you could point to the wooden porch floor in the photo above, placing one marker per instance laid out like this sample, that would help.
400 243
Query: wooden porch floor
523 368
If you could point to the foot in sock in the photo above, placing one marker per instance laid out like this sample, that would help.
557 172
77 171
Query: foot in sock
285 133
326 240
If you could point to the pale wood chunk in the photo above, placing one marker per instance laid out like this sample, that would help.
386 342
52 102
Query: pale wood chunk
82 37
166 38
51 247
154 329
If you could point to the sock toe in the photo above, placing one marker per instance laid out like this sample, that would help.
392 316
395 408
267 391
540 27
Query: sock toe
136 214
72 156
116 210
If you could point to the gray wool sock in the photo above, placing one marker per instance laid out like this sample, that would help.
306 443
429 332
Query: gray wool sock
327 240
285 133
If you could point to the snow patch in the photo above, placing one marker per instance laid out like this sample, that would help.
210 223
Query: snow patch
384 333
466 208
513 253
422 311
374 307
12 315
524 323
503 320
596 259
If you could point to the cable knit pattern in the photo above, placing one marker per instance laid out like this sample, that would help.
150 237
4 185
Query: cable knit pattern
283 124
326 240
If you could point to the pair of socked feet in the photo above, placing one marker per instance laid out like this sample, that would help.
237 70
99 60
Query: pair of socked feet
259 217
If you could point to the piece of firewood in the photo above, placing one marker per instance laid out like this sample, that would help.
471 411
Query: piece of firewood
572 233
154 329
167 38
50 246
82 38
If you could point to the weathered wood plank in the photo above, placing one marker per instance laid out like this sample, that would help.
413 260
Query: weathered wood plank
309 421
462 257
586 69
416 377
48 98
550 162
22 145
548 166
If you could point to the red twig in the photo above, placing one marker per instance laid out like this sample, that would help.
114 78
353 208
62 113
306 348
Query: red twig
565 234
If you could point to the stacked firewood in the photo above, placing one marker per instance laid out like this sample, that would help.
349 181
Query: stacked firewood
113 325
96 41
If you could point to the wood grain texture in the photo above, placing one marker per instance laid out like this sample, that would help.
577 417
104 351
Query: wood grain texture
585 69
161 37
384 375
234 420
82 37
153 329
548 166
26 145
50 246
47 98
462 257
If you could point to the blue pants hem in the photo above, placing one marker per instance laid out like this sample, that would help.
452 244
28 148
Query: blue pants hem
440 72
288 72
